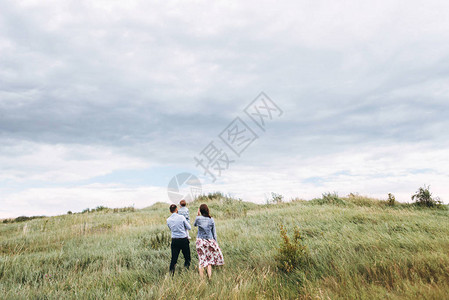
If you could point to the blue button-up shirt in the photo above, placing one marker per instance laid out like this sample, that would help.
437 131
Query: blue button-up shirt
206 228
178 226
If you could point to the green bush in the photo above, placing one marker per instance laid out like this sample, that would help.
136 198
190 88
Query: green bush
210 197
329 198
391 200
276 198
293 253
100 208
423 197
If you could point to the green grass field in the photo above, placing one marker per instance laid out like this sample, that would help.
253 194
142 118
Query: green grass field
359 248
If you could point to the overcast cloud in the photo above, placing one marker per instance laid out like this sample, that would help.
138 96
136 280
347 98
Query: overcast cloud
102 102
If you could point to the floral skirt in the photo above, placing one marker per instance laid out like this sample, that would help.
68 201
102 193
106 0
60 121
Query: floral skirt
208 253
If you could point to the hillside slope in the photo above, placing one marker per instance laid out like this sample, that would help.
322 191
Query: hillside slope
359 248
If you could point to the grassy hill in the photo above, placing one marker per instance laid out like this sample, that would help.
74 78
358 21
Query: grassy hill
357 248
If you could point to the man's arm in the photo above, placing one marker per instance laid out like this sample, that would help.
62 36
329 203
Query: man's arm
187 225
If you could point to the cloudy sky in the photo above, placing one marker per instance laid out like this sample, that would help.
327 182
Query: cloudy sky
103 102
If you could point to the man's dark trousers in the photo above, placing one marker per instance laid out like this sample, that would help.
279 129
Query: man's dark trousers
176 246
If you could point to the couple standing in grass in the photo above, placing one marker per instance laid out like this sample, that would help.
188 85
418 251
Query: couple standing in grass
209 252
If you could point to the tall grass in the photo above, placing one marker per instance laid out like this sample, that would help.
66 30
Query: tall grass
358 248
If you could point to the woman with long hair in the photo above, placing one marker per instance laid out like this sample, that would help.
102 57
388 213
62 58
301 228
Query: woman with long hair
206 242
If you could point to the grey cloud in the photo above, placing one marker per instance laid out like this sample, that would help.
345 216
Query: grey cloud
151 84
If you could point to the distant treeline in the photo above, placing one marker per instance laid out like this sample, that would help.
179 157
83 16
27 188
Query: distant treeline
85 211
106 209
22 219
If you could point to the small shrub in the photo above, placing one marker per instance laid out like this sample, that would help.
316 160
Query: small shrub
69 212
292 253
276 198
210 197
332 198
100 208
391 200
423 197
329 198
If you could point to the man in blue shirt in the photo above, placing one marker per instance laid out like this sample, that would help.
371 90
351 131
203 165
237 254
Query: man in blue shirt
179 241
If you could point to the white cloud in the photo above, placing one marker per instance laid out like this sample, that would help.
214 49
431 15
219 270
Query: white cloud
54 201
23 161
371 171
